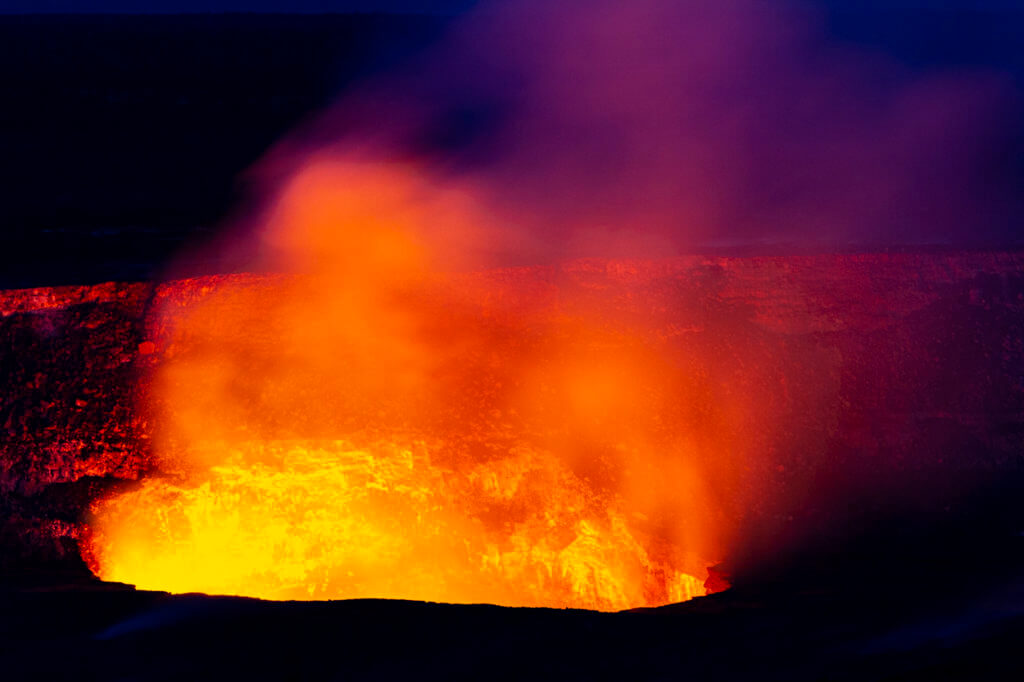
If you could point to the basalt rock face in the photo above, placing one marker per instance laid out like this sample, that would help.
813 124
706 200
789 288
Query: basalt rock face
67 366
869 378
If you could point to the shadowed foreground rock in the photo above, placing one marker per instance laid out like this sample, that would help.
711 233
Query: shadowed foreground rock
121 634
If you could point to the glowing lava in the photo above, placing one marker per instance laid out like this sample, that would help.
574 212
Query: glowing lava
329 521
369 426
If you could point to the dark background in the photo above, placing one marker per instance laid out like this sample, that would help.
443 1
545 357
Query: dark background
123 137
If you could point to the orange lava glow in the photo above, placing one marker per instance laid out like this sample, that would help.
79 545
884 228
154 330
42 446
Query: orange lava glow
370 426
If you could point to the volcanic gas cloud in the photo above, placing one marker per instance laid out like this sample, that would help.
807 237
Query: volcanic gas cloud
400 413
371 427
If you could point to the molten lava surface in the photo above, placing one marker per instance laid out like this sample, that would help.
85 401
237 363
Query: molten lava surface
321 521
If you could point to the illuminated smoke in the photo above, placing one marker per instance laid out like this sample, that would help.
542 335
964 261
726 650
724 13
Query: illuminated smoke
372 424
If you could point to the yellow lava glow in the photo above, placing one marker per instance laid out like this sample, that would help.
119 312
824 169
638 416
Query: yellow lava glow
372 426
328 521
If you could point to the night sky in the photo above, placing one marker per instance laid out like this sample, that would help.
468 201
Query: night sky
105 118
294 6
417 6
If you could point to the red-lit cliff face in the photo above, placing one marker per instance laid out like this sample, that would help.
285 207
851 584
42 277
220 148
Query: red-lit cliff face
71 426
801 382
